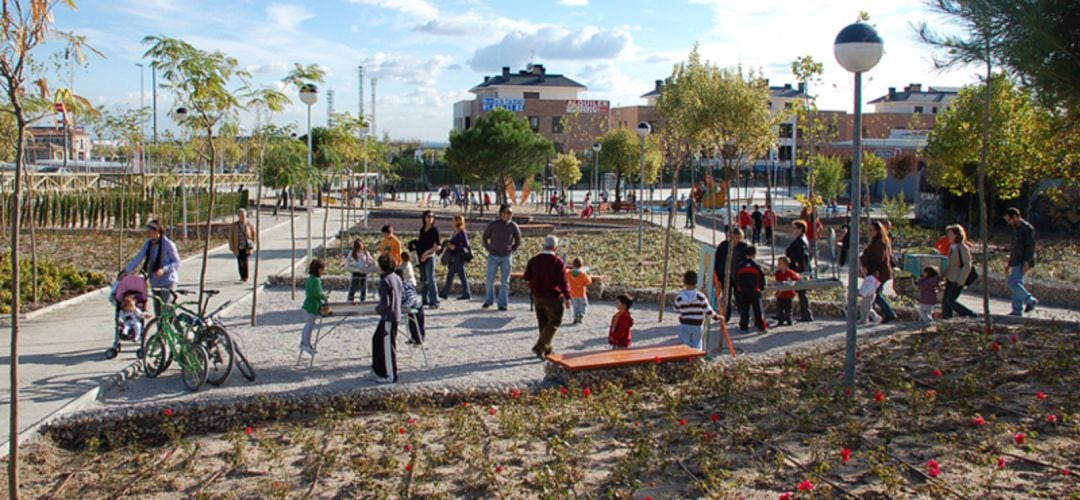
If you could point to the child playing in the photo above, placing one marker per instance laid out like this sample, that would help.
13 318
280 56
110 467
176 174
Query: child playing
406 268
358 258
390 245
131 317
413 308
749 282
619 331
928 287
692 306
384 341
579 280
868 291
314 300
784 298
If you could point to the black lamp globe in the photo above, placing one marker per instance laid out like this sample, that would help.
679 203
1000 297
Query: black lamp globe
858 48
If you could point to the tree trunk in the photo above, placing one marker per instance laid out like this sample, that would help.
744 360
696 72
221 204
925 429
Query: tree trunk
984 224
325 220
16 212
258 241
209 217
618 191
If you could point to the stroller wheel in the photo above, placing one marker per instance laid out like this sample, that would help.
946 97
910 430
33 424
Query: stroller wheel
111 352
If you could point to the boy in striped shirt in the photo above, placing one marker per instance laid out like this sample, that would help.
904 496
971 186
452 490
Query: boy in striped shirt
693 307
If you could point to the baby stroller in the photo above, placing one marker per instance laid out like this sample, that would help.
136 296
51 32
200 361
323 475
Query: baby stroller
136 285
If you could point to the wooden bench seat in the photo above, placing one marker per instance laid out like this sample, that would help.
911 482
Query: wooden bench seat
575 362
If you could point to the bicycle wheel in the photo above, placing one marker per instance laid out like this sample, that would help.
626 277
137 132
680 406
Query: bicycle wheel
155 355
219 348
242 363
194 363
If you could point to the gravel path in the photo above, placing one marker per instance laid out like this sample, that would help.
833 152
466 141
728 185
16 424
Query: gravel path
467 348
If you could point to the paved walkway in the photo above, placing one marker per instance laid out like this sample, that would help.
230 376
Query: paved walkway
61 352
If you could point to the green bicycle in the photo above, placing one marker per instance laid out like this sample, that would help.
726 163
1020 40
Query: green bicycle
208 330
168 342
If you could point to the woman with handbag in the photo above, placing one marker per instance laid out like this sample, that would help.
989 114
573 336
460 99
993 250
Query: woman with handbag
959 273
242 242
460 255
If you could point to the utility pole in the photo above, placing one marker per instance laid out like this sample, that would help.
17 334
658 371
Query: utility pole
153 93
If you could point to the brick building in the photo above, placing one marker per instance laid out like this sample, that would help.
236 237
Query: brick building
47 143
549 101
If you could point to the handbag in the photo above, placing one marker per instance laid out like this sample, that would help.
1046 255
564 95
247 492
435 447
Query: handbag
972 276
869 286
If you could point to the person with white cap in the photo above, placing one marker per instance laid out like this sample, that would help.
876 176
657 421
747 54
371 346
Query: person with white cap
546 275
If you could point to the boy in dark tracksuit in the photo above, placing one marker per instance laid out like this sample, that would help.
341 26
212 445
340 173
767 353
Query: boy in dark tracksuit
749 282
384 342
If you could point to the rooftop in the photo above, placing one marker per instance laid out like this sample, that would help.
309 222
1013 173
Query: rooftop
915 93
535 75
786 91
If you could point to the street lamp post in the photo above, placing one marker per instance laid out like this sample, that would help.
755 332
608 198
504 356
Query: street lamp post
142 124
365 130
643 130
179 115
309 94
596 177
857 48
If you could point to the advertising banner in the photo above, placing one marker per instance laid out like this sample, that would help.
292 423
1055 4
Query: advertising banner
493 103
587 106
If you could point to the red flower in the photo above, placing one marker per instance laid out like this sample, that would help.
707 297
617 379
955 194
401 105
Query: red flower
1015 339
845 455
493 411
933 468
412 421
516 393
879 397
1040 395
168 412
931 394
465 404
847 391
657 359
937 373
564 390
934 472
498 469
1051 419
715 417
806 486
786 495
1065 472
1002 463
858 354
408 448
1020 438
249 431
978 421
629 393
586 392
648 498
802 365
408 467
682 421
401 430
994 346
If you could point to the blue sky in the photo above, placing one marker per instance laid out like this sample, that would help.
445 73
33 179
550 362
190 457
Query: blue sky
426 54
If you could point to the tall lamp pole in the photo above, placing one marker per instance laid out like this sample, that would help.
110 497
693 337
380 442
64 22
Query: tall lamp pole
309 95
643 130
142 123
596 147
180 114
857 48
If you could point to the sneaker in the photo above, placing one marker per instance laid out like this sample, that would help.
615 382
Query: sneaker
502 308
1018 315
465 297
443 296
308 349
355 302
485 305
1031 307
383 380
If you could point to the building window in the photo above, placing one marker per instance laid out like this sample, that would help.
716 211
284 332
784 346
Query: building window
532 95
534 123
933 110
784 153
918 109
787 105
785 130
556 125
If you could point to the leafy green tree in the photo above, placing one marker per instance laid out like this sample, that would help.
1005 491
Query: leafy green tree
567 169
285 165
828 177
621 154
500 148
200 81
1015 155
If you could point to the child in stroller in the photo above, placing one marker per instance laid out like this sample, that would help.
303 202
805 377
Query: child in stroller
129 295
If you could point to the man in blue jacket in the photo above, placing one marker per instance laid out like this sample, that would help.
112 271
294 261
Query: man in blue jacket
1021 260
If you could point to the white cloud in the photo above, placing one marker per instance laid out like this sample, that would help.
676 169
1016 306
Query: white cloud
407 68
553 43
288 16
419 8
574 3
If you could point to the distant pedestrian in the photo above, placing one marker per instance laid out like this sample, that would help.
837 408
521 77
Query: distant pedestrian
798 253
1021 260
619 335
384 341
242 242
749 283
546 275
769 222
501 239
690 213
844 243
957 273
745 221
358 258
759 223
460 255
427 247
724 275
693 308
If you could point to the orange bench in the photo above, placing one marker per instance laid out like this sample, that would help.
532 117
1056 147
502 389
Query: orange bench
575 362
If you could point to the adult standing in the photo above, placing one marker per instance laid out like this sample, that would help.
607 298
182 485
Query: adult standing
877 262
546 275
427 246
460 255
384 341
690 212
798 252
738 259
502 237
160 262
242 242
957 271
759 223
745 221
1021 260
769 222
844 243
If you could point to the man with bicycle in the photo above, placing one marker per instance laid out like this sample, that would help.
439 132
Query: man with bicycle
160 262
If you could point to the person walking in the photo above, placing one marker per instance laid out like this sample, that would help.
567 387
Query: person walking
242 242
738 258
546 275
798 254
502 237
160 262
1021 260
427 246
877 261
958 270
690 212
759 223
769 223
744 220
384 341
460 255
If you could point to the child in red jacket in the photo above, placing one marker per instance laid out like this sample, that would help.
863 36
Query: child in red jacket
621 322
784 298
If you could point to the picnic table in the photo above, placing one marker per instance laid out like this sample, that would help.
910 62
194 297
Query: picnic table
342 310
